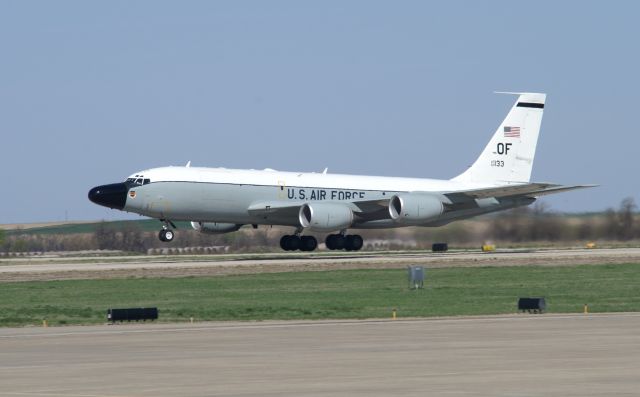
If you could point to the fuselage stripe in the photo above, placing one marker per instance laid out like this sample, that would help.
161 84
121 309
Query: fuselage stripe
530 105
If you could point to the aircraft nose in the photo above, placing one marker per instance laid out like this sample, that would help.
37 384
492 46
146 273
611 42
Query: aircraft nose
113 195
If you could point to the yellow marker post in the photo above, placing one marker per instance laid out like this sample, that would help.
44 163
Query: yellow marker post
488 248
394 314
44 324
586 309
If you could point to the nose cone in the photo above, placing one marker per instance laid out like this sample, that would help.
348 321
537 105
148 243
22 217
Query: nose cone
112 196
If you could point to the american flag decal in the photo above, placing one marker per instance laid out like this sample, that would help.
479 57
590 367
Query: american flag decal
512 132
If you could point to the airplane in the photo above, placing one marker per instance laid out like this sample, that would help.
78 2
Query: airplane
219 200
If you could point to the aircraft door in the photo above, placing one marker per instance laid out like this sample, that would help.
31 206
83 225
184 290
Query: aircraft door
282 190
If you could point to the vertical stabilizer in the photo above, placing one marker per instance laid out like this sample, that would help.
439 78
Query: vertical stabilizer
508 158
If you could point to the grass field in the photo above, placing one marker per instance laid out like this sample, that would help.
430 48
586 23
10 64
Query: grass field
147 225
326 295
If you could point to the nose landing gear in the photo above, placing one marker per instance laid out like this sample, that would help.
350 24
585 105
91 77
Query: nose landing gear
166 235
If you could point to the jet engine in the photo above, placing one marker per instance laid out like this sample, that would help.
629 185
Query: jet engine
325 217
215 227
415 208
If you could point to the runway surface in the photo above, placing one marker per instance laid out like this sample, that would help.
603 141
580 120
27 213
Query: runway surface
177 266
518 355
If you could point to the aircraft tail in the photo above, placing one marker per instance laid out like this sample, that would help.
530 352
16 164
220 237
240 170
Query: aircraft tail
508 158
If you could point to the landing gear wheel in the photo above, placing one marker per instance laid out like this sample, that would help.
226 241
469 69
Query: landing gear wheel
338 241
165 235
328 242
353 242
290 243
350 242
358 242
308 243
334 242
284 243
294 243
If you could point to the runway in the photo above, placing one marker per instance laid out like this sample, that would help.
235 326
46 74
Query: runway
517 355
178 266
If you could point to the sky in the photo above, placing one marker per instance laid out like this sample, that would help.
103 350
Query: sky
91 92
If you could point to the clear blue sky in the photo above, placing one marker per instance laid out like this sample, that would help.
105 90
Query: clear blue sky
91 92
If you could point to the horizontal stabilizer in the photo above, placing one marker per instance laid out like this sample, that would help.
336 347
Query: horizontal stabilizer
559 189
524 190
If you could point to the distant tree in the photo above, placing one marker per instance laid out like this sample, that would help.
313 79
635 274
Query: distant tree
511 225
611 225
2 236
132 238
105 236
585 230
625 216
545 224
19 245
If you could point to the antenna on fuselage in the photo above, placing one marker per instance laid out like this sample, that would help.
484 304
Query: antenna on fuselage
188 164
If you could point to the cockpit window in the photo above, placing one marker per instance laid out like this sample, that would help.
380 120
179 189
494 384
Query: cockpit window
138 180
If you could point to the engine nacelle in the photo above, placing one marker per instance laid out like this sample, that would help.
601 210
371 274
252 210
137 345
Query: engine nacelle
325 217
215 227
415 208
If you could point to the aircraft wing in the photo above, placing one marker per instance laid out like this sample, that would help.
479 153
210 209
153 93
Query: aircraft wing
287 210
524 190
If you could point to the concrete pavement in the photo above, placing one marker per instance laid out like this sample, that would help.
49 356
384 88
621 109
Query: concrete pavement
516 355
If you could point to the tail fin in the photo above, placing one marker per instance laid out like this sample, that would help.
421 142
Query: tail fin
509 155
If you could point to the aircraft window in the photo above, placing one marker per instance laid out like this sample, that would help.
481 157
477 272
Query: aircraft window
139 181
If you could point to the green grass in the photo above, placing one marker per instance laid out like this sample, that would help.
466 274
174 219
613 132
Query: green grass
326 295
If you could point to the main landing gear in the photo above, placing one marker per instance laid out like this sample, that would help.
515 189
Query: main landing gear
295 242
349 242
166 235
